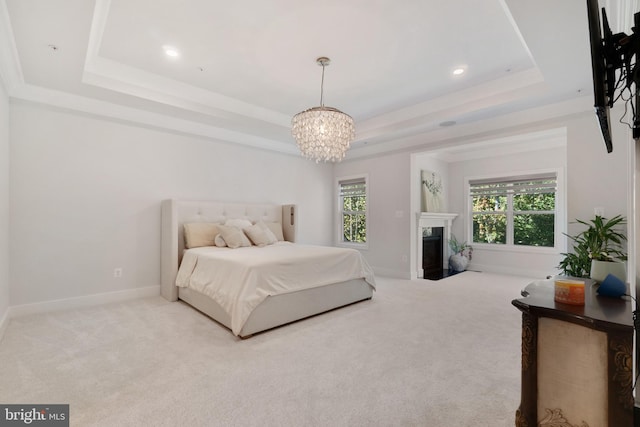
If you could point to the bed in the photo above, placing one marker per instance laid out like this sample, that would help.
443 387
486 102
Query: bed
192 275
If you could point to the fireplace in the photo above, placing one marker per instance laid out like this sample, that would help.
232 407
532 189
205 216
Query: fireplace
432 247
429 220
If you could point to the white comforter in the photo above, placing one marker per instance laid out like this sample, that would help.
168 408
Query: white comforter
240 279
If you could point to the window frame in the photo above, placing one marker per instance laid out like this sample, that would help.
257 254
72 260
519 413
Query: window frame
559 220
339 212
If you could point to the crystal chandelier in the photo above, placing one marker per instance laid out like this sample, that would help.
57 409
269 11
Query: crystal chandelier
323 133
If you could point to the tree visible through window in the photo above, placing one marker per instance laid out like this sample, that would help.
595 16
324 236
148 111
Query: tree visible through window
514 211
353 210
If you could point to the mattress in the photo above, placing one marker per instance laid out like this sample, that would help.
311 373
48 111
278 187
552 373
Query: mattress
240 279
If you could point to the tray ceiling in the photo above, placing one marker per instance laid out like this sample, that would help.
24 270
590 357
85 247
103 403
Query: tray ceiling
245 68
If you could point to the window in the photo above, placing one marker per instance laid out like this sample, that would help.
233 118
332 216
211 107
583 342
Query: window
353 210
519 211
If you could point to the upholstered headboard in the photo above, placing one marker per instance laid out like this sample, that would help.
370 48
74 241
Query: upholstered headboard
175 213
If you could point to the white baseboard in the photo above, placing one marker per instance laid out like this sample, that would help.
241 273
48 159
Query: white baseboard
488 268
80 302
387 272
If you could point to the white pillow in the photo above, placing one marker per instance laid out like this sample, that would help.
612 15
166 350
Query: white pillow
234 237
238 222
270 234
197 234
219 241
276 229
259 236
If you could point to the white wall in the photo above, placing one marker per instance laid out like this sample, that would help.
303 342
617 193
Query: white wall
601 179
597 179
594 178
85 197
4 206
389 215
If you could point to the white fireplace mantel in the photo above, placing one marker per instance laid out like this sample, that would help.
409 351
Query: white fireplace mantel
434 219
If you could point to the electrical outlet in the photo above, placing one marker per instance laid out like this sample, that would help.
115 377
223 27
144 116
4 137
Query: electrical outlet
405 259
598 211
117 272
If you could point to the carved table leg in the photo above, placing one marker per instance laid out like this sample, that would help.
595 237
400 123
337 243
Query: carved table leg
620 379
527 414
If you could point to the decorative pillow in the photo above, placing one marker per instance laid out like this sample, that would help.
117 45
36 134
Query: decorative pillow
276 229
234 237
197 234
238 222
219 241
270 235
259 236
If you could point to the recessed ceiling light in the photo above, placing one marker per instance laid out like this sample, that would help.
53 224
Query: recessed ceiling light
171 51
458 71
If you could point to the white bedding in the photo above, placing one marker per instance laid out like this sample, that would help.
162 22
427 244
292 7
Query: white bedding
240 279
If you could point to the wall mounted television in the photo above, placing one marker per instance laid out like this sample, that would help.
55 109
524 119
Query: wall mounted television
601 78
614 69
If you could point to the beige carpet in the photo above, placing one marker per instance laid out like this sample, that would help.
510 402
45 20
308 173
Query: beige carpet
421 353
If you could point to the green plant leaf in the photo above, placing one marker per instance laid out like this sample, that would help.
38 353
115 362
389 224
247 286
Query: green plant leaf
602 240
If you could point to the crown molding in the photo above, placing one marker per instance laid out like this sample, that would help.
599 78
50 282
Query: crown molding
109 110
524 121
430 113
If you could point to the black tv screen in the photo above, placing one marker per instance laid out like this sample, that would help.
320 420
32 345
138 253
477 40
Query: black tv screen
602 77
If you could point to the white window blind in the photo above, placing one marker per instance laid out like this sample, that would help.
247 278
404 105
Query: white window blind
534 184
353 188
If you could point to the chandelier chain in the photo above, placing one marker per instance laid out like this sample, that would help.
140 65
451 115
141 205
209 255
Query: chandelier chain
322 86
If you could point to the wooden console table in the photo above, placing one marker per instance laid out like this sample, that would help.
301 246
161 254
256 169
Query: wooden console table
577 363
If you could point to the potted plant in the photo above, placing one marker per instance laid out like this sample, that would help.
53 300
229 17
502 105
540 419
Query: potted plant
461 255
598 250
